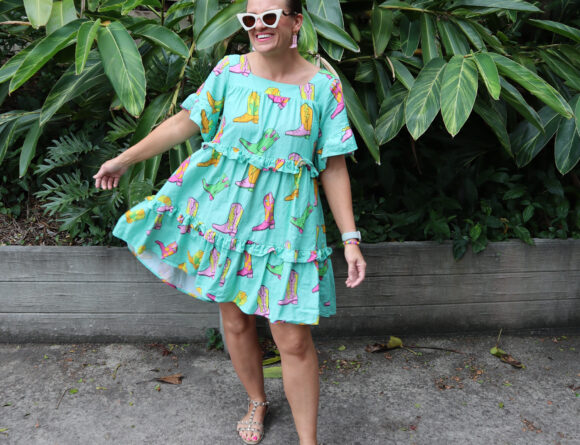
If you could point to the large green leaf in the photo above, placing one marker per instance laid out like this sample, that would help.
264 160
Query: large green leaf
428 45
533 83
558 28
513 97
6 134
9 5
163 37
72 85
63 12
424 98
395 4
452 38
561 67
381 80
153 114
308 41
489 74
38 11
10 67
402 74
392 118
410 33
330 11
515 5
333 33
123 66
359 117
29 148
527 141
491 116
458 92
567 144
577 114
85 37
471 33
204 11
381 29
224 24
43 52
179 11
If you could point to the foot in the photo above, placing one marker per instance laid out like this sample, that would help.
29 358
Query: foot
251 427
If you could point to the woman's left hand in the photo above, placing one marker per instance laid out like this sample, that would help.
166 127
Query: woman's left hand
356 265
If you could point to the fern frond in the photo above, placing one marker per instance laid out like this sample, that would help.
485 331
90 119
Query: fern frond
66 151
122 125
62 193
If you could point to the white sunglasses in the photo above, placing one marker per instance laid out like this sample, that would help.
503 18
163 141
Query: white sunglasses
269 19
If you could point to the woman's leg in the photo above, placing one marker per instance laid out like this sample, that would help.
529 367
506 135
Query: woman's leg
246 355
300 375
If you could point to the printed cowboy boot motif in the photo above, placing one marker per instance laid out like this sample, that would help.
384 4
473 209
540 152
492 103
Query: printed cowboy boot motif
230 227
216 105
263 302
300 221
192 206
195 260
306 123
276 270
141 249
247 269
183 267
291 290
347 134
213 262
296 190
253 110
214 189
218 137
134 215
315 186
265 142
241 298
268 222
277 165
211 296
249 181
336 89
177 177
168 250
219 68
241 68
214 160
206 123
307 91
274 95
157 223
225 271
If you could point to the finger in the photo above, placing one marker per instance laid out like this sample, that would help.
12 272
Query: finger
116 182
110 183
97 182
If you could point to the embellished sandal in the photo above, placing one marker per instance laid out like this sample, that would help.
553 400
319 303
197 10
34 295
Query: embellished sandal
250 425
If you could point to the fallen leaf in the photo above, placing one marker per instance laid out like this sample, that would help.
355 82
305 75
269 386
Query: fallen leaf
174 379
271 360
505 357
393 343
3 430
273 372
341 348
501 405
158 387
73 391
549 402
101 388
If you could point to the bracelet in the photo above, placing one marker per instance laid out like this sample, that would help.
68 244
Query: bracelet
351 241
350 235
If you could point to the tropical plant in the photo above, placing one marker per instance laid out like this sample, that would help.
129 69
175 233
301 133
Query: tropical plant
126 64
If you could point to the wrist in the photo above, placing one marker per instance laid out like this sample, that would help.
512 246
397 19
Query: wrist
354 235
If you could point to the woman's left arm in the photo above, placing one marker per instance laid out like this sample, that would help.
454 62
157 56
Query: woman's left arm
336 184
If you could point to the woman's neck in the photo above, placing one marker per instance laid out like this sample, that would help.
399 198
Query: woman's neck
278 67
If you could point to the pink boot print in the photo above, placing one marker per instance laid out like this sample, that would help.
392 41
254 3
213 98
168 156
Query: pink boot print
291 290
268 222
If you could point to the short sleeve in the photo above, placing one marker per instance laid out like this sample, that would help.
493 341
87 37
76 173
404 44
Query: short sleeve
336 136
206 104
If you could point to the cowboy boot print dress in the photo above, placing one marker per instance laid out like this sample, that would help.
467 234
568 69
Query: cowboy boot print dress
241 219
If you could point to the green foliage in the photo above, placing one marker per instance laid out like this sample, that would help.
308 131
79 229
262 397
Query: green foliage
414 73
214 339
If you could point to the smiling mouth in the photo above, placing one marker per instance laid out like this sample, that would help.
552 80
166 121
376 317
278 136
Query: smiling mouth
262 37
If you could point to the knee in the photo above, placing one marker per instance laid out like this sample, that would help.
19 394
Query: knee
295 344
237 325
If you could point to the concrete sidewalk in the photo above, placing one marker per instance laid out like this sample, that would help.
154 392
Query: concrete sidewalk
103 394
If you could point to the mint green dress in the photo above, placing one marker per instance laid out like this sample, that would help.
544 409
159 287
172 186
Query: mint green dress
241 219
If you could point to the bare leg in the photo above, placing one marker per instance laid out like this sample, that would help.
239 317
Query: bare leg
246 355
300 375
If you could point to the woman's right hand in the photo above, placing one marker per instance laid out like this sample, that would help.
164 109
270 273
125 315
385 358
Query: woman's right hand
109 174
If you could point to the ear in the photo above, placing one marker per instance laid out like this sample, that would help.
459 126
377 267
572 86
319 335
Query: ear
298 19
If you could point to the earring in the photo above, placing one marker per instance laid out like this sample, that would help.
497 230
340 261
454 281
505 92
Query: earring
294 41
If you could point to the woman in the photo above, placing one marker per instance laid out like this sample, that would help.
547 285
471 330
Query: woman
240 222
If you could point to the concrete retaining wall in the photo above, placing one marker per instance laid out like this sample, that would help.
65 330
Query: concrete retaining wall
54 294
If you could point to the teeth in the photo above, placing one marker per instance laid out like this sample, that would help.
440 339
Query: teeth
263 36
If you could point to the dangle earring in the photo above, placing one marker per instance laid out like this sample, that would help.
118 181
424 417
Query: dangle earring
294 41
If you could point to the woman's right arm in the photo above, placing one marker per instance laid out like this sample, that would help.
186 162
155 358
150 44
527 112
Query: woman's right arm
169 133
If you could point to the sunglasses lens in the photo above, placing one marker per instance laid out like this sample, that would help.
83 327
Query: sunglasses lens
269 19
249 21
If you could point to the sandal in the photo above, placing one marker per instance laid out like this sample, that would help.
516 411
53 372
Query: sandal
256 427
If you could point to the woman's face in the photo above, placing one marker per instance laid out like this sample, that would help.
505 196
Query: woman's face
272 40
